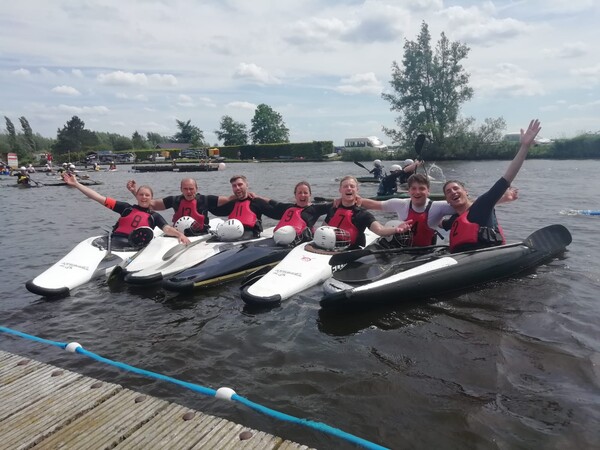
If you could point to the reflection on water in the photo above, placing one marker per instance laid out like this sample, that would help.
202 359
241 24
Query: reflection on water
514 362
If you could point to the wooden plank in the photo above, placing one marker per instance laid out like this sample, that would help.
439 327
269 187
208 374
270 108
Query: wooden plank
54 409
13 367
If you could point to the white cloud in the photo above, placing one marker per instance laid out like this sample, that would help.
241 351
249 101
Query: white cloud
94 110
136 97
120 78
66 90
21 72
241 105
185 101
591 74
252 72
583 106
77 72
569 50
505 80
360 83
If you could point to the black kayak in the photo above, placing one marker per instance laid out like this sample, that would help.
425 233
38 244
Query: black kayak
393 276
227 265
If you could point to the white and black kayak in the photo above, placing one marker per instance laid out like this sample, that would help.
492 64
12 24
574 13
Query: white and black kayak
94 257
158 252
303 267
186 257
382 279
227 265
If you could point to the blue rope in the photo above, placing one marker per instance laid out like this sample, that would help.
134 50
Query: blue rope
202 390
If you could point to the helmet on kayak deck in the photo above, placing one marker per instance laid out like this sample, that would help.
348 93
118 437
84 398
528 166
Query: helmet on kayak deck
284 235
188 226
331 238
377 163
399 239
395 168
230 230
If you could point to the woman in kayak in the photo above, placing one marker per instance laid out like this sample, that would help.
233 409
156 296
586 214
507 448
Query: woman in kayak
354 219
474 223
132 216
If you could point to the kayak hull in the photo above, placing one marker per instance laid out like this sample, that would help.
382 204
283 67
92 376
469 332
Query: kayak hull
444 273
302 268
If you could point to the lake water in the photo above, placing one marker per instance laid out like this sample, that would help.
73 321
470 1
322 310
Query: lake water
515 364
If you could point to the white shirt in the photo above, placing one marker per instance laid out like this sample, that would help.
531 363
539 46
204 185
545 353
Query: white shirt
400 206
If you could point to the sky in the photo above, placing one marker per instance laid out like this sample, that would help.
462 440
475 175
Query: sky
140 65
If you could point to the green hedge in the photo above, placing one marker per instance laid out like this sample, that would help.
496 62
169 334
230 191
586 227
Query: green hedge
307 150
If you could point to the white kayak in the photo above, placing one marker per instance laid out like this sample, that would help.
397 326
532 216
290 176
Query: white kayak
303 267
160 250
185 258
89 259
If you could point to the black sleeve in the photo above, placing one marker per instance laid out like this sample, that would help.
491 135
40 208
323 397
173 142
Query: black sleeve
278 209
159 221
169 201
209 203
260 206
120 207
482 208
363 219
223 210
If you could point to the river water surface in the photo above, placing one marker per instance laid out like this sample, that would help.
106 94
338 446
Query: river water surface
515 364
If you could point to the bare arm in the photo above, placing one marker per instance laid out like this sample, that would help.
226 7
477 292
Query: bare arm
170 231
71 180
527 140
510 195
381 230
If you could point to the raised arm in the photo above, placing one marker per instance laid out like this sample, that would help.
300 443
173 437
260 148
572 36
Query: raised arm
527 140
71 180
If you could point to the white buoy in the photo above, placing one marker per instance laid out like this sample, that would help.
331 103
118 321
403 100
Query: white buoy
222 166
72 347
224 393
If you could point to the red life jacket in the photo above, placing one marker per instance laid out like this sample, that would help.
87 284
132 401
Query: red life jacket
131 219
422 234
189 208
464 232
292 216
243 213
342 218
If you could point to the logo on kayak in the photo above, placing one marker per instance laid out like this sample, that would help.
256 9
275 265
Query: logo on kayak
306 259
68 265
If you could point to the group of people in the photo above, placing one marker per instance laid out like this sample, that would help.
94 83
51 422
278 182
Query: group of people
472 223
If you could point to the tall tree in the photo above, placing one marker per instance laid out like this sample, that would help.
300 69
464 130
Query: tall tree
73 137
28 134
429 88
188 133
154 139
12 136
232 132
268 126
138 141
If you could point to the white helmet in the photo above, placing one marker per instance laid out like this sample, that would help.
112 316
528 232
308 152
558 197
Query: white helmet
22 168
230 230
395 168
377 163
398 239
331 238
71 166
188 226
407 162
284 235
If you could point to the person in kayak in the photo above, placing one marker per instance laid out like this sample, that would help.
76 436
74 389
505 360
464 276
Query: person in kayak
23 177
297 220
354 219
377 170
474 224
398 175
190 203
132 216
248 209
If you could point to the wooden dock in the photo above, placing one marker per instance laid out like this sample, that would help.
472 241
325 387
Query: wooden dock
45 407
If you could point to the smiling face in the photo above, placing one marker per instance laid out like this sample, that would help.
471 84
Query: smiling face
189 188
348 190
418 193
239 187
144 196
302 194
456 196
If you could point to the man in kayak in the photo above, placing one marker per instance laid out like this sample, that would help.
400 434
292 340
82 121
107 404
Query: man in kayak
190 203
132 216
398 175
474 224
23 177
354 219
248 209
377 170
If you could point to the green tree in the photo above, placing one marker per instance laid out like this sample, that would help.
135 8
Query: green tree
268 126
429 88
232 132
74 138
138 141
13 142
154 139
28 134
188 133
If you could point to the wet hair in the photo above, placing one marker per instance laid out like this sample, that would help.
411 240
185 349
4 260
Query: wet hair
418 178
460 183
303 183
188 179
235 177
348 177
145 186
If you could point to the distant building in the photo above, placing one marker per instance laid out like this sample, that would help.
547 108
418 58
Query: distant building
361 142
